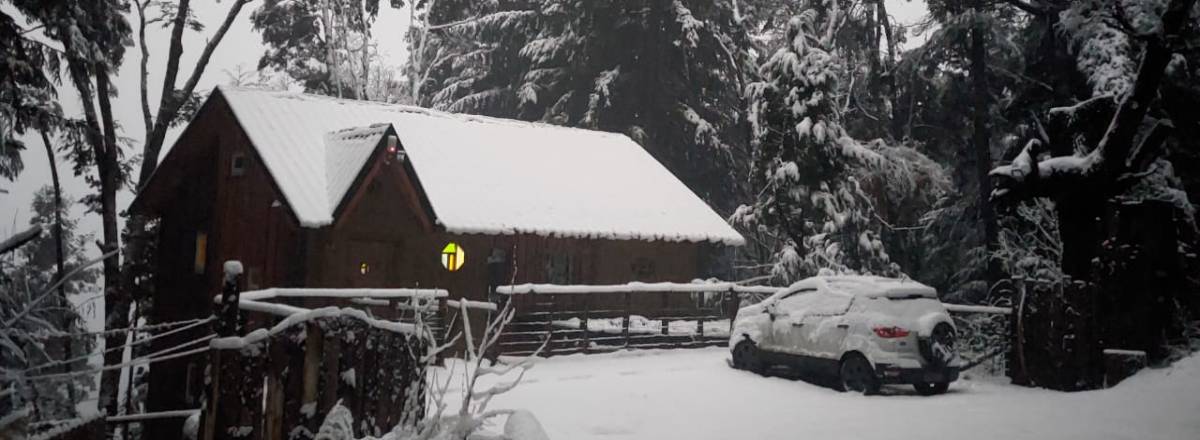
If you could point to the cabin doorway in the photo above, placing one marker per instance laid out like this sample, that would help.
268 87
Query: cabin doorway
372 264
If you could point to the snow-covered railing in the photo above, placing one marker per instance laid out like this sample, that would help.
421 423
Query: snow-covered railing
964 308
294 315
560 289
468 304
126 418
583 318
402 299
281 292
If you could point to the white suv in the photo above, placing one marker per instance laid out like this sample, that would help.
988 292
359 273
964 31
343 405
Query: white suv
864 331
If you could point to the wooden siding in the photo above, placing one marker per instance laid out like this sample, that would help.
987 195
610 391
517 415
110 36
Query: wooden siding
244 218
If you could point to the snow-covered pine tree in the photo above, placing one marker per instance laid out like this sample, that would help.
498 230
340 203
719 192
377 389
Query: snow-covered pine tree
33 345
808 197
669 73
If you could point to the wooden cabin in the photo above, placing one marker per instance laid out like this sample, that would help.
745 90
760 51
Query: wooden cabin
311 191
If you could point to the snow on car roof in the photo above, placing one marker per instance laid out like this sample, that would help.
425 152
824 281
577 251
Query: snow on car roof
865 286
481 175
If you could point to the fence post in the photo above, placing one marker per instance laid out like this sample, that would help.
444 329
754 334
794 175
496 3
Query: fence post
228 320
662 318
314 344
550 327
625 321
587 307
225 325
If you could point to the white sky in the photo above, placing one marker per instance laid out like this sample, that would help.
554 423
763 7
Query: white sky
241 47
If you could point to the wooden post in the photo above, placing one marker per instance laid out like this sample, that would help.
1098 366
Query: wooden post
550 328
625 321
273 415
314 342
662 320
587 302
226 324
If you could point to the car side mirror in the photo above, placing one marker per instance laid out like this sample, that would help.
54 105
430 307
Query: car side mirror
771 310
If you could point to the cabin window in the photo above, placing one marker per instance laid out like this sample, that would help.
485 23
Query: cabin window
201 256
558 269
237 165
642 268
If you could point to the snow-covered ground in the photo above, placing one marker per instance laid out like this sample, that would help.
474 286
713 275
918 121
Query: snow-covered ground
693 395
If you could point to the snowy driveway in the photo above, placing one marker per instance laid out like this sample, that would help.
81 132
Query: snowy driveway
692 394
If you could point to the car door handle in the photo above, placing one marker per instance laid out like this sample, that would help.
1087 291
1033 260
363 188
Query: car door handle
797 324
843 326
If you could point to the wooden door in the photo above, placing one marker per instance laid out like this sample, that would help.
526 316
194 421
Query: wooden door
371 264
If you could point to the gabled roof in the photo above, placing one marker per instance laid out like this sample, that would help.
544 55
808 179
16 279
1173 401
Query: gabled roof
346 151
481 175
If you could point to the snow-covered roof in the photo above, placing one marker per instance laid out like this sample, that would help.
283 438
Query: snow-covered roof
481 175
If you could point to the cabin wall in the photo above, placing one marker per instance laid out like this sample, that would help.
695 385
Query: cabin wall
387 230
242 217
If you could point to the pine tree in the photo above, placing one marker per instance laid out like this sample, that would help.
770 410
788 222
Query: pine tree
669 73
32 346
809 199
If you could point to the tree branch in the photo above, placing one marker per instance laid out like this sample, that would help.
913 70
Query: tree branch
169 104
1151 146
1114 155
1027 7
147 118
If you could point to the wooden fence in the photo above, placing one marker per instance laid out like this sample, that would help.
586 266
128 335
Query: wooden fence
585 319
278 381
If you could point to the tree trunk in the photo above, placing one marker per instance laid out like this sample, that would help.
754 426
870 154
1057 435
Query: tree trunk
67 320
58 238
116 300
981 140
896 126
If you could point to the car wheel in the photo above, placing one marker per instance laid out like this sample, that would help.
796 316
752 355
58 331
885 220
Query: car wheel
856 375
931 388
746 357
939 348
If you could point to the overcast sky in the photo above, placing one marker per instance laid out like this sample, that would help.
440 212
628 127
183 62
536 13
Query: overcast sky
241 48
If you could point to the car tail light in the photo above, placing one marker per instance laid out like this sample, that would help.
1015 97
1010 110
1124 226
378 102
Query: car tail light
891 332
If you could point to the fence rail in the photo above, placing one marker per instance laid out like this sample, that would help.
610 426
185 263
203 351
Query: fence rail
597 318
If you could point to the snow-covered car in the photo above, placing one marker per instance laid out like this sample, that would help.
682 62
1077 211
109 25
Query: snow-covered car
863 331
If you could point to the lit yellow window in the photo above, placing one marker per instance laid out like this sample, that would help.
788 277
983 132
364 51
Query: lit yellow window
201 253
453 257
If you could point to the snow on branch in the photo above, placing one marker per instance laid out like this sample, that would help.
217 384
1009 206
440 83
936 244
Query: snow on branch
1114 155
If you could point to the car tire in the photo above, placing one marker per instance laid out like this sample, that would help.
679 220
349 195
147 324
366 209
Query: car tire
931 388
938 348
855 374
747 357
